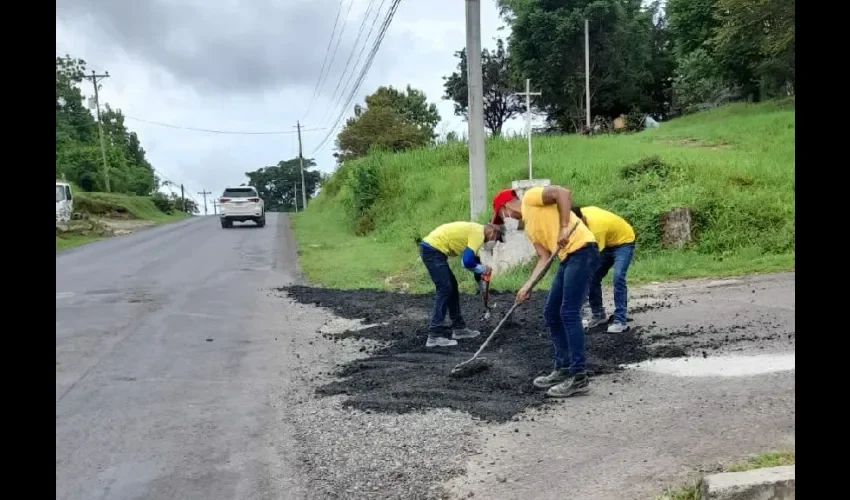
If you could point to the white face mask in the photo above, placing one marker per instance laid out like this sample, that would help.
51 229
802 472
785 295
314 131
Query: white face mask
511 224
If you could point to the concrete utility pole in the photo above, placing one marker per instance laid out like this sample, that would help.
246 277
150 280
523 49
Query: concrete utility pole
475 85
205 193
94 79
587 69
295 196
183 197
528 93
301 160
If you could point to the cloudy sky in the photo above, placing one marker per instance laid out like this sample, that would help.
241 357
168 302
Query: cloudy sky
253 66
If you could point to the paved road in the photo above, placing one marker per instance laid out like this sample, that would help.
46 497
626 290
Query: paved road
179 376
170 371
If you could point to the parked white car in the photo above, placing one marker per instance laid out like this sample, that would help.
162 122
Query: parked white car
240 204
64 202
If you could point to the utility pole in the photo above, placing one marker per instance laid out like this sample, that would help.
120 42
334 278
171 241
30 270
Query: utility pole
301 160
205 193
183 197
295 196
94 77
477 167
528 93
587 69
215 206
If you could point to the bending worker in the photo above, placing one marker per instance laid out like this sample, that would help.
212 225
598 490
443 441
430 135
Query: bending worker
550 226
449 240
616 240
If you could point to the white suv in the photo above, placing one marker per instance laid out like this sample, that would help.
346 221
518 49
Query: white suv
241 204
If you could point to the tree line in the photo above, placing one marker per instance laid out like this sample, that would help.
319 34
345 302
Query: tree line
645 59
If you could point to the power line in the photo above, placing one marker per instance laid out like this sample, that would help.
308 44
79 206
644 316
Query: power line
334 98
357 84
320 82
227 132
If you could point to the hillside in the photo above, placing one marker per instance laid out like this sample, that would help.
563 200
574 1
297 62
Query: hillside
732 166
110 214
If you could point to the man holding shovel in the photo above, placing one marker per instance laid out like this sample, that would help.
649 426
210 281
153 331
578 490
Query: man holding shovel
551 227
449 240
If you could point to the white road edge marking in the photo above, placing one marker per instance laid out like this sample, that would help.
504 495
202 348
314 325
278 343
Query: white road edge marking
718 366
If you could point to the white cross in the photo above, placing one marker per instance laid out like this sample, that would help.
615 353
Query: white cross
528 93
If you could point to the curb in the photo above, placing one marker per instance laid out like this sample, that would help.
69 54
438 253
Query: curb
771 483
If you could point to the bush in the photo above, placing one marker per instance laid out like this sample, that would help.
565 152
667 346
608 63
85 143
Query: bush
163 203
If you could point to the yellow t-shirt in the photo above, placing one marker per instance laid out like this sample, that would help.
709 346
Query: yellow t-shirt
452 238
543 222
609 228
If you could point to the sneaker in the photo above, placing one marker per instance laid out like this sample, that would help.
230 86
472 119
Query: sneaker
465 333
593 322
578 384
440 342
618 327
556 377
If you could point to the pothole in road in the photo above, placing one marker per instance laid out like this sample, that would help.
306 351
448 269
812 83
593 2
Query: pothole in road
399 374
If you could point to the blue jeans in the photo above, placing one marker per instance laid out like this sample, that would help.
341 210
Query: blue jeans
562 311
447 298
619 257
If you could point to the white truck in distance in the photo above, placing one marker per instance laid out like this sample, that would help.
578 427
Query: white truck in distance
64 202
240 204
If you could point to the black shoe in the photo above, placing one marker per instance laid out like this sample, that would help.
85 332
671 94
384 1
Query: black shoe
557 376
579 384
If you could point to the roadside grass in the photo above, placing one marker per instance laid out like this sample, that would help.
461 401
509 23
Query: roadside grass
693 489
732 166
110 206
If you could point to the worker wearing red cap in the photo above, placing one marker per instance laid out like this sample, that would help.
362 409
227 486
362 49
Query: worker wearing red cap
548 222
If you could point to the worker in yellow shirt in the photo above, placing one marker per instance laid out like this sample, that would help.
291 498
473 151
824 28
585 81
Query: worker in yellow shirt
616 240
450 240
551 227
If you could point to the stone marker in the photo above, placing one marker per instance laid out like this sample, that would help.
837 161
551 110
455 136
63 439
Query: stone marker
771 483
676 228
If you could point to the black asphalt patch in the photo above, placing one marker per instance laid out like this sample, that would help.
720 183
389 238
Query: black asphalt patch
403 375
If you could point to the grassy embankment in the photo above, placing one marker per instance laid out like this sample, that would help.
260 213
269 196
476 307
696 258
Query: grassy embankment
732 166
693 490
109 206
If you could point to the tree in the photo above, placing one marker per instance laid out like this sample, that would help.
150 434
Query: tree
276 184
501 101
547 45
392 121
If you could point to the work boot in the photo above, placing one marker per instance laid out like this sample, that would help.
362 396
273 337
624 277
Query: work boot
593 322
557 376
440 342
465 333
578 384
618 327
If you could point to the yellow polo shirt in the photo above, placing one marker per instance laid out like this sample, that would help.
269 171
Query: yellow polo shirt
452 238
609 228
543 222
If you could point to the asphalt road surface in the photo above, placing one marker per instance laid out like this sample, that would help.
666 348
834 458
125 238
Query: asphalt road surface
169 375
180 375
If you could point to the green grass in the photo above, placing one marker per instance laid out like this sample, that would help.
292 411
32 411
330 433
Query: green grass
732 166
112 205
693 490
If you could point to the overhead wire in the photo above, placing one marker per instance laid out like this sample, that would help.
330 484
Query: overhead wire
320 82
334 99
361 77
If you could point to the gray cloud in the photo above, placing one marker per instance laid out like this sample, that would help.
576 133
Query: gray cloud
220 45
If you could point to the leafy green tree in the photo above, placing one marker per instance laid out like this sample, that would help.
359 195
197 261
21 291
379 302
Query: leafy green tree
275 184
391 121
501 102
547 45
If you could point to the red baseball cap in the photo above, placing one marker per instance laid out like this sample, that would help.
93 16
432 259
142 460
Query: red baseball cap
499 201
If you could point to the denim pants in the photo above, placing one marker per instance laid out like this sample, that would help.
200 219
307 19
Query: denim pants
562 311
447 297
619 257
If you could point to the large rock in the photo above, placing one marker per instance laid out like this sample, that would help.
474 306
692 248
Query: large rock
771 483
676 228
